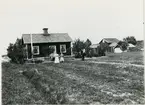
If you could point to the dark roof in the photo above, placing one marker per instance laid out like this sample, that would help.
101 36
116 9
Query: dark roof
110 40
94 45
51 37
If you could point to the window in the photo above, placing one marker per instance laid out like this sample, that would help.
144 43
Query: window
63 48
53 47
36 50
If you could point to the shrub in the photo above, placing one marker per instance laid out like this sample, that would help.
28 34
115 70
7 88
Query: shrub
87 47
78 45
68 51
16 52
78 55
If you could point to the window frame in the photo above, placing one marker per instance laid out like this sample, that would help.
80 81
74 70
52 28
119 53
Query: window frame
64 48
37 47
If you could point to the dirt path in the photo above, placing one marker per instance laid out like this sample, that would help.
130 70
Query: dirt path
114 63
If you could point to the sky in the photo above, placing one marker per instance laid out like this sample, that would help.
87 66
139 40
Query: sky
92 19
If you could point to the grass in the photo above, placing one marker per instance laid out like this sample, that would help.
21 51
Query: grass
75 82
125 57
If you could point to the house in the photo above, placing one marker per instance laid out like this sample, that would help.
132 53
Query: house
111 42
110 45
140 45
60 42
132 48
5 58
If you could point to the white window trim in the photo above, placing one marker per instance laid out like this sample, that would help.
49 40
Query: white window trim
64 48
37 50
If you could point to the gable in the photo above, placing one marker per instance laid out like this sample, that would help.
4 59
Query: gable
109 40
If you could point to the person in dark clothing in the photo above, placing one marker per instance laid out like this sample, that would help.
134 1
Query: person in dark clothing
83 54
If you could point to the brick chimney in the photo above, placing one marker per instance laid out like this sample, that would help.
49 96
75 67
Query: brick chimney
45 31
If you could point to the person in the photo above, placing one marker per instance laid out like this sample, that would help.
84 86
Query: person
61 57
56 58
83 54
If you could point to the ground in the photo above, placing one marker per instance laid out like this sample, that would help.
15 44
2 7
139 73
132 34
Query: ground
112 79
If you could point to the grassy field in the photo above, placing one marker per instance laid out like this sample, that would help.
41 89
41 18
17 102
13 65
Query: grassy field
76 82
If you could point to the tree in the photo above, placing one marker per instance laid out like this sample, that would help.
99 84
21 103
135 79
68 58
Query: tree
87 47
130 39
103 48
16 52
78 45
123 45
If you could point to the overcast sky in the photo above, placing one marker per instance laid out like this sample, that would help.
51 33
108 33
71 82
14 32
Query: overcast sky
93 19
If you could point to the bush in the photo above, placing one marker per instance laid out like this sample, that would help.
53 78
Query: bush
68 51
16 52
78 45
78 55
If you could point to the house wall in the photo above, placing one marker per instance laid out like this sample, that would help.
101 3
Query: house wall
44 45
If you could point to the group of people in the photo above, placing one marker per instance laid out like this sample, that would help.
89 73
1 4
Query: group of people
58 58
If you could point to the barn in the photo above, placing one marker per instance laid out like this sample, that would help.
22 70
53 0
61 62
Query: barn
38 43
111 42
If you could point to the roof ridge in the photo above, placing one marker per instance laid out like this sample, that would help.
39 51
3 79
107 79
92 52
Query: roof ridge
42 33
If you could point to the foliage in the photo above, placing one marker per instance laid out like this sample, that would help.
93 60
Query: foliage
78 45
103 48
123 45
87 47
78 55
130 39
68 51
75 82
16 52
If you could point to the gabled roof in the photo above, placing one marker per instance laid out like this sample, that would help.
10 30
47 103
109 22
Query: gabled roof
110 40
94 45
50 38
113 44
130 45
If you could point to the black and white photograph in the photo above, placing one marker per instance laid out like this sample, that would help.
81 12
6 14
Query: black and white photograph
72 52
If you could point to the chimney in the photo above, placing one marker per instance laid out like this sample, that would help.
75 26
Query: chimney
45 31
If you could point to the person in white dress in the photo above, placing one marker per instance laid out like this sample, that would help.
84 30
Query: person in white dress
61 58
56 60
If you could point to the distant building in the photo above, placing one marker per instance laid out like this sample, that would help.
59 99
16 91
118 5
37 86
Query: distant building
61 42
5 58
140 45
132 48
111 42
